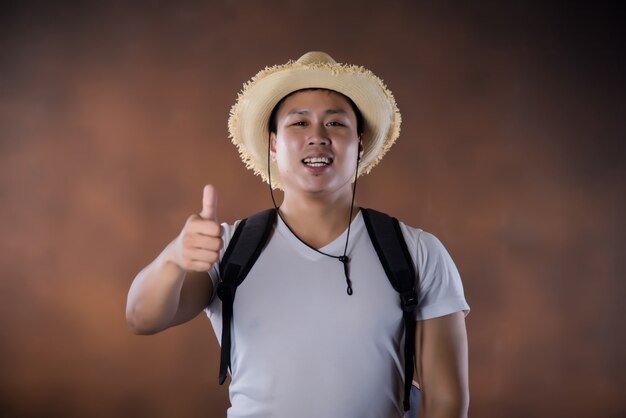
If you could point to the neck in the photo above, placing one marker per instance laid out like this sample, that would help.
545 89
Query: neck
318 220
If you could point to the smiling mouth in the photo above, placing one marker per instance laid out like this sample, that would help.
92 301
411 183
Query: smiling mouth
317 161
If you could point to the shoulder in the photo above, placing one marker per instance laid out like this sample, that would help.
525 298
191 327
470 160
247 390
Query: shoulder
422 243
428 251
257 226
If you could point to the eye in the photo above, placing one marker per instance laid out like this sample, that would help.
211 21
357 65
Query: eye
299 123
335 123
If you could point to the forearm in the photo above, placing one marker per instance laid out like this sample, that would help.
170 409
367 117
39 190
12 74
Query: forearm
154 295
451 408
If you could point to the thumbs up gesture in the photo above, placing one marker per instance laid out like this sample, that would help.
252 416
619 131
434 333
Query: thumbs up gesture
199 243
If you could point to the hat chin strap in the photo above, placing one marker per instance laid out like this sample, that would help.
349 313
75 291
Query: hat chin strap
343 258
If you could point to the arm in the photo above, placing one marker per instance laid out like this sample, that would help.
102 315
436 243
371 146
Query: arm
176 287
442 366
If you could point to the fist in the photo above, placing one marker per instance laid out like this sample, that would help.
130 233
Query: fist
199 243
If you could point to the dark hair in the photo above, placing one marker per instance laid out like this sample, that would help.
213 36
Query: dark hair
274 114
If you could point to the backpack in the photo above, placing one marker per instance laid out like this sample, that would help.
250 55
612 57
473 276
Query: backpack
250 238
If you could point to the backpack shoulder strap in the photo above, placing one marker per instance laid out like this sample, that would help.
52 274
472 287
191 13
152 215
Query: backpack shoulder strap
391 248
242 252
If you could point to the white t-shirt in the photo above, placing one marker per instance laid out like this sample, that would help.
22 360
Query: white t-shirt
302 347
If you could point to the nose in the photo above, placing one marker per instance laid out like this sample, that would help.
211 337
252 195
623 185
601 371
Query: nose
319 135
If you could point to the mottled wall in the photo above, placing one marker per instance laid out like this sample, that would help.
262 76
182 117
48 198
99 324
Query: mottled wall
113 117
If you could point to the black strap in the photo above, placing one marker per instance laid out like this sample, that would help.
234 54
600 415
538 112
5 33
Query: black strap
234 267
389 243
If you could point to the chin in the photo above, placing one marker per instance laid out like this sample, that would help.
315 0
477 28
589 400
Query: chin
317 185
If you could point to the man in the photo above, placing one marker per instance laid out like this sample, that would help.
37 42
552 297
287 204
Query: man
317 327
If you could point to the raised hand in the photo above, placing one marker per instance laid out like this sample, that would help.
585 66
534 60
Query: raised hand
199 243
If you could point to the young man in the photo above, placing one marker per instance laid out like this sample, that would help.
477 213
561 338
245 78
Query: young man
317 328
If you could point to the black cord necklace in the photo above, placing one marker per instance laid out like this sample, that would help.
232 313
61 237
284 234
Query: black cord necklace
344 259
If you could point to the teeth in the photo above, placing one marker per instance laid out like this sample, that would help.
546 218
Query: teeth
316 161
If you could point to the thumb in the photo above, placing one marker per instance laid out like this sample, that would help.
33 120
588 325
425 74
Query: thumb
209 203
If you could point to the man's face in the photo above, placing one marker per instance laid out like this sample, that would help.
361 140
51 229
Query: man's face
316 142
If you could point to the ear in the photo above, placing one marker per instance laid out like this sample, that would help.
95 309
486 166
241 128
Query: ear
273 146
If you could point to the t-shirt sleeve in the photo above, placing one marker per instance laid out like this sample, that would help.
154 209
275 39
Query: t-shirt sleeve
440 289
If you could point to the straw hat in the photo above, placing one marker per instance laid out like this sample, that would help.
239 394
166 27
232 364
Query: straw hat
248 123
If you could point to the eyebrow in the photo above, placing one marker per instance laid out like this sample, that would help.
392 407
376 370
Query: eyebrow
306 112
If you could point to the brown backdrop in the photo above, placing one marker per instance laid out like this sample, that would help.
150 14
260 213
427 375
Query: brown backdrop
113 117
